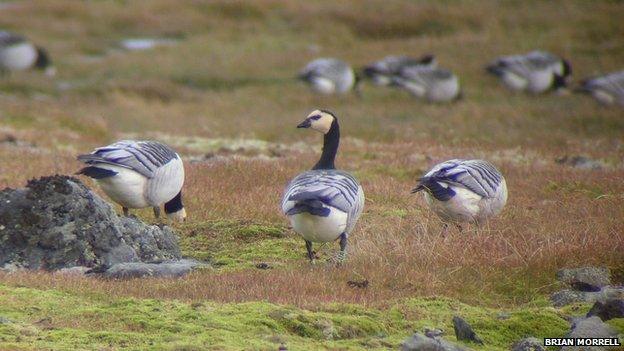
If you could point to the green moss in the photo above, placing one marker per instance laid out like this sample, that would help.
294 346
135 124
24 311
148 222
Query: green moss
46 319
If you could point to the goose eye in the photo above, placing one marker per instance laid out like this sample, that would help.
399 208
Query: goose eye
315 118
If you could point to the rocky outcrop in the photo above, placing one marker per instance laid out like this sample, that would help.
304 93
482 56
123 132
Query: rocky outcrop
591 327
528 344
607 310
586 284
58 223
420 342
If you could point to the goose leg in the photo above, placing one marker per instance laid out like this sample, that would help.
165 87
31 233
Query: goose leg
342 255
310 252
156 212
125 211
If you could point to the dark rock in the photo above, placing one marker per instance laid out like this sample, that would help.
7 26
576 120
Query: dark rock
581 162
161 270
419 342
585 278
565 297
361 284
56 222
592 327
528 344
611 308
463 330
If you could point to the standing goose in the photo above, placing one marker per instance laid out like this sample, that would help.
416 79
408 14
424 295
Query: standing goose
535 72
18 54
329 76
464 190
139 174
607 89
430 83
323 204
382 72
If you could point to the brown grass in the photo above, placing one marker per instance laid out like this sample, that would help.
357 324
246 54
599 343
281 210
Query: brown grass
229 76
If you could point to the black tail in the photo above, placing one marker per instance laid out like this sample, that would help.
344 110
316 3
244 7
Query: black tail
494 69
96 173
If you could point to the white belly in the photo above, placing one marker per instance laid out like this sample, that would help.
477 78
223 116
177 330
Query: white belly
444 91
540 81
319 229
127 188
323 85
514 81
18 57
463 207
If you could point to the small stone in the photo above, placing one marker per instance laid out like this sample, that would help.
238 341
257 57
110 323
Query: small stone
567 296
4 320
361 284
173 269
585 278
433 333
528 344
463 330
581 162
612 308
263 265
503 315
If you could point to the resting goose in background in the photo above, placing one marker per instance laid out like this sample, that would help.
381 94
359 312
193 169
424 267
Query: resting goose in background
464 190
18 54
323 204
381 72
139 174
430 83
607 89
329 76
535 72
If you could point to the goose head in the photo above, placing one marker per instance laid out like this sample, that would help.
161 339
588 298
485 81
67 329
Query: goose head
175 209
319 120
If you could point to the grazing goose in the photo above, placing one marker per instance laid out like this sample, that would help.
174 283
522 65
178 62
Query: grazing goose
329 76
139 174
464 190
18 54
430 83
323 204
607 89
535 72
381 72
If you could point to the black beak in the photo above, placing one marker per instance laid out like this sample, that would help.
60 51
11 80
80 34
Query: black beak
305 124
417 189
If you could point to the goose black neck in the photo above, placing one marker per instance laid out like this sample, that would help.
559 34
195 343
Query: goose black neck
174 205
330 147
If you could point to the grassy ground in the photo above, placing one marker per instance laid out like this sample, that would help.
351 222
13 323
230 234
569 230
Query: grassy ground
224 96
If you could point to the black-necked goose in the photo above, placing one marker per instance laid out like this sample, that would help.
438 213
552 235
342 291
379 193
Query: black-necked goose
464 190
323 204
535 72
329 76
18 54
608 89
139 174
381 72
430 83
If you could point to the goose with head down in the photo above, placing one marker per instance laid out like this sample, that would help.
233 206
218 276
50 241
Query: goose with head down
607 89
329 76
323 204
464 190
383 71
139 174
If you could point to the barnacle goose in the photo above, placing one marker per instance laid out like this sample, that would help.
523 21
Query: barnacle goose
139 174
607 89
430 83
329 76
323 204
381 72
535 72
17 54
464 190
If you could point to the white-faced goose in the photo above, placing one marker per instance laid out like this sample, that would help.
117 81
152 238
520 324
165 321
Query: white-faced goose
139 174
464 190
323 204
535 72
430 83
329 76
18 54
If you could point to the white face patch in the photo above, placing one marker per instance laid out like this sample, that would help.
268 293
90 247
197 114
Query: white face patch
178 216
322 123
